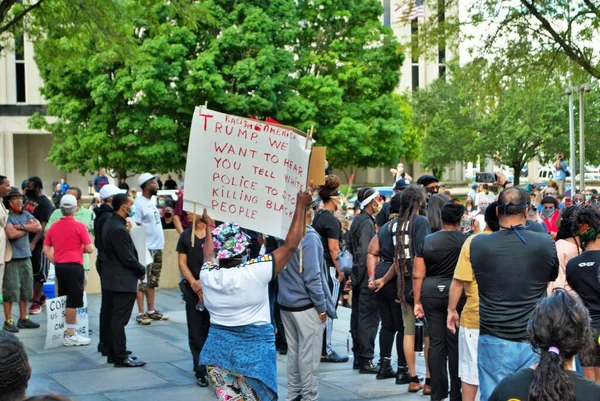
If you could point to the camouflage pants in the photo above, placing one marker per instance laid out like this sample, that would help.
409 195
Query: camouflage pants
152 271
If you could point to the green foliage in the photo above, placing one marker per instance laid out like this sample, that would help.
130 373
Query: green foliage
319 63
484 111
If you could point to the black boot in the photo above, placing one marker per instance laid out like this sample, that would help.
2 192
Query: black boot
402 375
367 366
385 369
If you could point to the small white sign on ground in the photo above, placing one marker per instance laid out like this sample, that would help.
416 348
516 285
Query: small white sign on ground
55 311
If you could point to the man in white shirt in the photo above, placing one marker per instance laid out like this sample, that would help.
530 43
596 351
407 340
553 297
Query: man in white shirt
147 216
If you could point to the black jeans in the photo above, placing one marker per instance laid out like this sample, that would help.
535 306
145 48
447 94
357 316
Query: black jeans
198 323
364 322
121 312
392 325
443 345
106 307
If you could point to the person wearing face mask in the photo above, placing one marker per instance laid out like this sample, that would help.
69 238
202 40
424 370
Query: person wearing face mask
120 274
578 199
365 313
41 208
549 215
167 217
147 215
18 274
588 197
399 173
430 183
330 230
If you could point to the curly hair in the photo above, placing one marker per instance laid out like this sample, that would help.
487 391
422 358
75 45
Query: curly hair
565 223
331 186
562 322
586 224
14 368
411 202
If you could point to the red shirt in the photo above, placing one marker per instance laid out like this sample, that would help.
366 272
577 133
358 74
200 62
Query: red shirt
68 237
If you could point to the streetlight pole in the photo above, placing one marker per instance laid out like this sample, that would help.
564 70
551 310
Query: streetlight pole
572 140
582 89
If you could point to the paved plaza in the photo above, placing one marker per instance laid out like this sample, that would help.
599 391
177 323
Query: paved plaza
82 374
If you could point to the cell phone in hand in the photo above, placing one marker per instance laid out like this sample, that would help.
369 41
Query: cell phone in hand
486 178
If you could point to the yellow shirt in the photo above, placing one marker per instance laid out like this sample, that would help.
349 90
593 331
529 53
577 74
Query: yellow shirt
464 272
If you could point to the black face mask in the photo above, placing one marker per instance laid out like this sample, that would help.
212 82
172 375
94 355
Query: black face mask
168 215
30 193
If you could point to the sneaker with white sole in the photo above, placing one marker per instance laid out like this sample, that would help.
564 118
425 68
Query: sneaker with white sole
143 319
157 315
75 340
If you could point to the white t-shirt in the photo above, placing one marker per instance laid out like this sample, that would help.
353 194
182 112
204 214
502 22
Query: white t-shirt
147 215
491 197
238 296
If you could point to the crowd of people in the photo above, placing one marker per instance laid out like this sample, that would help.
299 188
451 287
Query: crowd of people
500 292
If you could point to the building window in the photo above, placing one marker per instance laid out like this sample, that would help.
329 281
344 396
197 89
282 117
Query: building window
20 68
414 53
442 42
387 13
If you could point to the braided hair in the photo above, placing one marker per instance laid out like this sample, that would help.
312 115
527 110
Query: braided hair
586 224
411 202
559 329
14 368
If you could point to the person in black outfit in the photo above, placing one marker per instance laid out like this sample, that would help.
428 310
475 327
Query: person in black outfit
379 260
583 276
103 212
432 276
330 230
365 313
384 215
120 274
559 329
409 230
170 183
191 260
272 243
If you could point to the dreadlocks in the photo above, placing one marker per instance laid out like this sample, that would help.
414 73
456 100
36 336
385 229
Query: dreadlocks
411 202
14 368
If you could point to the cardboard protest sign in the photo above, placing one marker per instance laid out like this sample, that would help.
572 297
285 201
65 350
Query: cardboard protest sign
316 171
245 171
138 236
55 311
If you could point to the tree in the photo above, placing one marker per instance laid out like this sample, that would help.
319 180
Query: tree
133 113
484 111
347 70
554 28
306 64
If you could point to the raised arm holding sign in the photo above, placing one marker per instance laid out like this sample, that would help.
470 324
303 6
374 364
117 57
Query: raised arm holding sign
246 171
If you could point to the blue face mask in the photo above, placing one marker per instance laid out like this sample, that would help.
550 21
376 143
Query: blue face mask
588 197
132 211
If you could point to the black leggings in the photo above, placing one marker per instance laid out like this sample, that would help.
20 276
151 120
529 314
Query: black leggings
392 324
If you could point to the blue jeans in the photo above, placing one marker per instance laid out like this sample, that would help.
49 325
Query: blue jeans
498 358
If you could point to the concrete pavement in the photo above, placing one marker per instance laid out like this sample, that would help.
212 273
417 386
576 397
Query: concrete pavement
82 374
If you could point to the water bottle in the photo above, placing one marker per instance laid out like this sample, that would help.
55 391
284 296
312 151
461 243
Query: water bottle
419 335
200 306
348 344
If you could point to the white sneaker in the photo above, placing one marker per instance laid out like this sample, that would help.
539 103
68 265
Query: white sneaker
75 340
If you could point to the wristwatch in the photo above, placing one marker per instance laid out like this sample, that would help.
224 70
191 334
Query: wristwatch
21 227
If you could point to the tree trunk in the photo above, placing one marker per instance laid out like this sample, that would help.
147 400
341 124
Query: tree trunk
517 175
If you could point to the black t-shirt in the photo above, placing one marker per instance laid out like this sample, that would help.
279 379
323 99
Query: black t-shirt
515 387
414 238
384 214
512 277
41 208
195 257
170 184
441 251
167 226
386 250
583 275
328 226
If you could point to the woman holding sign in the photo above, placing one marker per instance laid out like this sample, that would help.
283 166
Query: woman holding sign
240 351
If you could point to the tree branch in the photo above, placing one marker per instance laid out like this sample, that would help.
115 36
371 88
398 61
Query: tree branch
572 53
19 17
592 7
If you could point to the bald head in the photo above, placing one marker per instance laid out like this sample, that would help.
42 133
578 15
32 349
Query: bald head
513 202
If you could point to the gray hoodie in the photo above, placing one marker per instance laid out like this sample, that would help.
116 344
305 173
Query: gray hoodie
302 291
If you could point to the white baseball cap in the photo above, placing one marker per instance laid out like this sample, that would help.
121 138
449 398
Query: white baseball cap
144 178
68 201
110 190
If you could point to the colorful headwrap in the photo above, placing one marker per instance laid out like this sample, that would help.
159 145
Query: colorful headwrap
229 240
588 233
